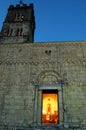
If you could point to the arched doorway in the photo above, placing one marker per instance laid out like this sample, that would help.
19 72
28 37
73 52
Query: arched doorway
48 103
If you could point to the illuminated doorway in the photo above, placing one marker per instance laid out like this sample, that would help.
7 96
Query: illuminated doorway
50 107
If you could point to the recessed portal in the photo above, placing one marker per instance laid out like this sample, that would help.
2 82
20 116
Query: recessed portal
50 107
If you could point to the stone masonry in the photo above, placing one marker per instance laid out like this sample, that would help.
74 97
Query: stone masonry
28 69
22 67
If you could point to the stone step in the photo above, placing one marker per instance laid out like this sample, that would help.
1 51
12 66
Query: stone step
37 127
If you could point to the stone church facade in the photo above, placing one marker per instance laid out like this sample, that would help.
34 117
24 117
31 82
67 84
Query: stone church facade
42 85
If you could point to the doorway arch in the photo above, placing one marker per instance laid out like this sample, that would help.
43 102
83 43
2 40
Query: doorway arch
48 85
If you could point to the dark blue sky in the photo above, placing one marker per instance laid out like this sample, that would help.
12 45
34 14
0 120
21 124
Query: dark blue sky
56 20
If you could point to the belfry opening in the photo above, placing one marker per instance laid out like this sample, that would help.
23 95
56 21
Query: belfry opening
50 107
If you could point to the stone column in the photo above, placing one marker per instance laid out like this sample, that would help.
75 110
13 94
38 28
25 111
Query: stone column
39 111
35 105
65 116
60 107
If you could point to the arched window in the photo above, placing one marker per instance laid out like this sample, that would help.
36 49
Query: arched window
10 32
18 17
17 32
48 54
6 31
21 31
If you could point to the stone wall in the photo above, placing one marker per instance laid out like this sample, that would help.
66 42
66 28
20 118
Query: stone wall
20 68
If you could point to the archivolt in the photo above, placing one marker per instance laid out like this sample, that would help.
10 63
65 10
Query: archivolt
48 76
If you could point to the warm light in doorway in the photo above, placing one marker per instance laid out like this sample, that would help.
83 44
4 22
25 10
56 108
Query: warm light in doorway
50 109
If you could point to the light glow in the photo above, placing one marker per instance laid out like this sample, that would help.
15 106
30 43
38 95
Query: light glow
50 108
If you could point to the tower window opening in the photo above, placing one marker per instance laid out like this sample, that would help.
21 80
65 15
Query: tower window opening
17 32
18 17
6 32
10 32
21 31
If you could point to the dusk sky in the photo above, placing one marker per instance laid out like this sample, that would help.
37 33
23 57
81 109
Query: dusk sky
56 20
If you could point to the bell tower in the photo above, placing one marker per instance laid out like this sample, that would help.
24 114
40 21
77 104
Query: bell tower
19 24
